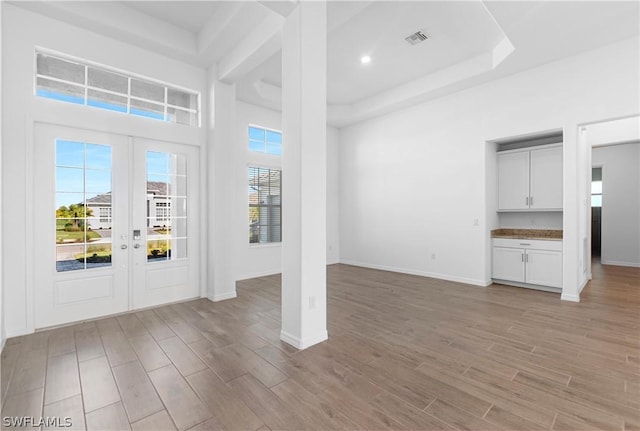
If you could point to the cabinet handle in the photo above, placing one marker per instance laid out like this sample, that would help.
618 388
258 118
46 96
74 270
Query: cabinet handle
526 258
524 243
531 201
527 200
522 256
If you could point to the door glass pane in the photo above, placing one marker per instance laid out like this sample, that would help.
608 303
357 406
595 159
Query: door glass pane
69 180
82 206
157 164
166 206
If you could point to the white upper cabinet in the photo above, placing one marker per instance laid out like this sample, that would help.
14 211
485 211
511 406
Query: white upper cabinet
546 179
513 181
530 180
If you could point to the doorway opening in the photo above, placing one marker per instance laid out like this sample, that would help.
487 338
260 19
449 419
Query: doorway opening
596 212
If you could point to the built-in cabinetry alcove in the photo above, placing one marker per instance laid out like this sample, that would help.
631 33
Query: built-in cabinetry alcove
527 246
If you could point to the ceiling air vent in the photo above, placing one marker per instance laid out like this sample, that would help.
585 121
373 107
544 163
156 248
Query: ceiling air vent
416 37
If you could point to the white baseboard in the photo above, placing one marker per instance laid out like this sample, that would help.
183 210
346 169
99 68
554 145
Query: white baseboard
258 274
570 297
4 341
617 263
333 260
19 333
529 286
472 281
302 344
582 285
222 296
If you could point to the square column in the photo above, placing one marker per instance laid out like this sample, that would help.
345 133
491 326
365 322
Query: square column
221 148
304 166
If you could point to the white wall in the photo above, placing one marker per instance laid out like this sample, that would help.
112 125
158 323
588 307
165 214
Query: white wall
412 182
532 220
333 195
621 203
22 31
614 132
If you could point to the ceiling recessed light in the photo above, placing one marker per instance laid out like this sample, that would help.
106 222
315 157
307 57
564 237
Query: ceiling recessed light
365 59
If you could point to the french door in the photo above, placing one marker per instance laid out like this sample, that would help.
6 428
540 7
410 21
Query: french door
115 224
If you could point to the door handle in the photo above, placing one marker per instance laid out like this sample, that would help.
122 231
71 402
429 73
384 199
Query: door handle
123 247
136 245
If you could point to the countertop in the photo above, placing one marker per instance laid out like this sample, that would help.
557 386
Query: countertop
545 234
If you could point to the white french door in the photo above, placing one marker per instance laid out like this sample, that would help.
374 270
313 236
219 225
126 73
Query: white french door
114 220
165 220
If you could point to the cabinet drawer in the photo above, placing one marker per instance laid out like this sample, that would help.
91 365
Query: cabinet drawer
538 244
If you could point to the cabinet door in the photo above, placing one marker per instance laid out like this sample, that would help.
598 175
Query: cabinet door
546 179
508 263
513 181
544 267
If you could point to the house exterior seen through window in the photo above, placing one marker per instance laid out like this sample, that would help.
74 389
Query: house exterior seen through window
73 81
265 205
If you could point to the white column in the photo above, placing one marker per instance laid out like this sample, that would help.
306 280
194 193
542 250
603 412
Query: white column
304 171
570 216
220 217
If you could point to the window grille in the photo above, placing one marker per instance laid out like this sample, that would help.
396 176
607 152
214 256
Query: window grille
76 82
265 205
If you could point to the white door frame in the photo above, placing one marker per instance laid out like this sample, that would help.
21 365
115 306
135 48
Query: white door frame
198 213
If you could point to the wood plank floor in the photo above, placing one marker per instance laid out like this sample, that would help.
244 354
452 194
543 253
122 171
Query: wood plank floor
404 352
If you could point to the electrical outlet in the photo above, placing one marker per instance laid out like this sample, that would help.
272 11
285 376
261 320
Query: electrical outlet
312 302
476 222
433 256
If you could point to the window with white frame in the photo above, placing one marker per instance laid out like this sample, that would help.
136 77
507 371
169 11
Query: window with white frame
265 205
74 81
163 211
596 187
105 214
263 140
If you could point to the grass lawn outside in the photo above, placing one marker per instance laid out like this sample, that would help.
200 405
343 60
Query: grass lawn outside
63 236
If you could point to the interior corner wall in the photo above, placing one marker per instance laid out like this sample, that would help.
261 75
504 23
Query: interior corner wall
412 182
257 260
491 203
333 195
262 259
22 32
620 203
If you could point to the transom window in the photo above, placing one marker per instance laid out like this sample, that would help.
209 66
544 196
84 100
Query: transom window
265 141
75 82
265 205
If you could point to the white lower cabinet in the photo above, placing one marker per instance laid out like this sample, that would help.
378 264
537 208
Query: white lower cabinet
535 262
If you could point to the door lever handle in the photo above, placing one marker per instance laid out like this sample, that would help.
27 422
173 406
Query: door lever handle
123 247
136 245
